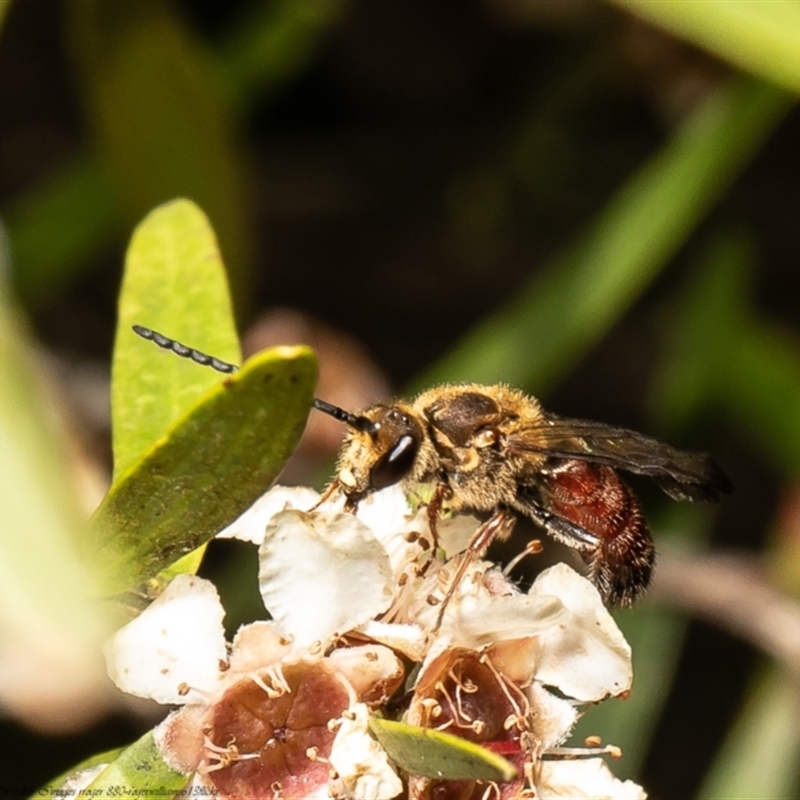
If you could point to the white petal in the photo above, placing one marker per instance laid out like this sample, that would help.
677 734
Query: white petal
179 737
368 668
552 718
410 640
456 532
589 778
178 640
436 650
585 656
401 532
486 620
385 512
485 608
250 526
258 645
322 574
360 761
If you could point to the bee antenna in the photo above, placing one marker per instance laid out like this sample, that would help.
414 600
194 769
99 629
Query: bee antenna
360 423
165 343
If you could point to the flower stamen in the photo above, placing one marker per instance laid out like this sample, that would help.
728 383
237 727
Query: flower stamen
532 548
456 709
222 757
279 685
492 788
573 753
515 696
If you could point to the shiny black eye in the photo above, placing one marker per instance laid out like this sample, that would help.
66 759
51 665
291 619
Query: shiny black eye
394 465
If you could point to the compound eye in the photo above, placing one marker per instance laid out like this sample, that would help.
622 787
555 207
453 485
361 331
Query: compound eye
394 465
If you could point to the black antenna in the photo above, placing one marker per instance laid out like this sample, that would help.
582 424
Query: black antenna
165 343
359 423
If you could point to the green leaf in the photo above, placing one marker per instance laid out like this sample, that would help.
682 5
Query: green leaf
435 754
48 789
763 391
48 615
140 766
275 41
723 355
761 37
174 283
162 124
554 320
57 227
213 464
760 755
54 229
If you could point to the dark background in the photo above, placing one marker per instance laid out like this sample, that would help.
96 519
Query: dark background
404 174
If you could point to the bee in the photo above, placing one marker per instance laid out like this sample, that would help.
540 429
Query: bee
494 451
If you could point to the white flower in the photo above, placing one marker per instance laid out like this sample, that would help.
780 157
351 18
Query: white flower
322 575
487 674
250 526
360 761
285 710
266 716
591 777
177 642
586 655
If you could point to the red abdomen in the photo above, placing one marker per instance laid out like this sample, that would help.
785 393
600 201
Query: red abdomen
594 498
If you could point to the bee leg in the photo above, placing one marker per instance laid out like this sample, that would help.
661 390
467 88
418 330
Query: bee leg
330 490
434 509
563 530
619 567
498 524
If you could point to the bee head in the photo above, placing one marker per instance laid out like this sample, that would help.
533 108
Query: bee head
380 450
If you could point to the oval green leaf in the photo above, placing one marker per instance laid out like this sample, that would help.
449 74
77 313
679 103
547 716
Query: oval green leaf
174 282
213 464
140 766
54 784
435 754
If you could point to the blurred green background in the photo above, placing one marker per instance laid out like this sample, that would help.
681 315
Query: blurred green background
597 202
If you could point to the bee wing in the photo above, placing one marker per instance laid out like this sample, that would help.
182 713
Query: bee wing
681 475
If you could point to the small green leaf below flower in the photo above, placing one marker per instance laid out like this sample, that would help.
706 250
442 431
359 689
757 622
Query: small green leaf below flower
136 767
140 766
436 754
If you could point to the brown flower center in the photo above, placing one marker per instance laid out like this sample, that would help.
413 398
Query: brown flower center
272 740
